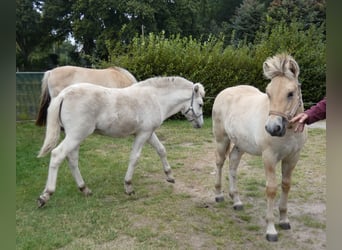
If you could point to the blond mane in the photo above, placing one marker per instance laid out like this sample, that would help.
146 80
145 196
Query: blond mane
281 65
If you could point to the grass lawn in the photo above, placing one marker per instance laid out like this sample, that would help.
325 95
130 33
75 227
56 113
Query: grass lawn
162 215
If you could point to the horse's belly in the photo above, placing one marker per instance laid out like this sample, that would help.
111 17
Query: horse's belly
246 144
246 133
118 125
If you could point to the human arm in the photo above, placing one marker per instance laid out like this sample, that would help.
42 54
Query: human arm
315 113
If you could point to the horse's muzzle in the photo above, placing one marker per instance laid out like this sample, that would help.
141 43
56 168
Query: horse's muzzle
276 126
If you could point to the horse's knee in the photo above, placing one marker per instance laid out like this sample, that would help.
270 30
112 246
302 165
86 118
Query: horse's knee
271 191
161 152
220 159
285 185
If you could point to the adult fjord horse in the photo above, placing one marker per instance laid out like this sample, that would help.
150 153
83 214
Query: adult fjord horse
247 120
136 110
59 78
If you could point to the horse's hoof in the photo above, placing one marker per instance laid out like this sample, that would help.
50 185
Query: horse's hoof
219 198
86 191
238 207
285 225
41 202
272 237
171 180
130 192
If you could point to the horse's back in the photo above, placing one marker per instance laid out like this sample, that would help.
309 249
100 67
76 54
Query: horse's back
239 100
111 111
239 113
63 76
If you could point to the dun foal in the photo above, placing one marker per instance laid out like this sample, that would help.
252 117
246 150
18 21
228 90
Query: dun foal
247 120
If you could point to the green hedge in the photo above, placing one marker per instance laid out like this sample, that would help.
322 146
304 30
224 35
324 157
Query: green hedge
218 66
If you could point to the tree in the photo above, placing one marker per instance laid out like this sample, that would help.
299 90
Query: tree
29 31
246 21
308 12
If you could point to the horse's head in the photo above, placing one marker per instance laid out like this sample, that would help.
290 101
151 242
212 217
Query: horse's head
283 92
194 112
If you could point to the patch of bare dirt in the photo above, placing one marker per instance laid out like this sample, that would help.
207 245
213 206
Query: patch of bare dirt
308 219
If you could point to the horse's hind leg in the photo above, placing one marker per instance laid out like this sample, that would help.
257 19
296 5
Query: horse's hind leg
73 165
286 168
159 147
57 156
234 160
222 147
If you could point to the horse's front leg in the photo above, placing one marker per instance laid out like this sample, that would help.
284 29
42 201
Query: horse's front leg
159 147
139 142
286 169
271 191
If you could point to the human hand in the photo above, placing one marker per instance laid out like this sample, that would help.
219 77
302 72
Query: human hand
300 120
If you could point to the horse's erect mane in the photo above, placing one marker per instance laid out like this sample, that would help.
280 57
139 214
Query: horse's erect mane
162 82
281 65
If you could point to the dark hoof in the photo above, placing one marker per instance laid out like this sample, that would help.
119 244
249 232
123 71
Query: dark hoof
272 237
219 199
238 207
285 226
131 193
171 180
40 202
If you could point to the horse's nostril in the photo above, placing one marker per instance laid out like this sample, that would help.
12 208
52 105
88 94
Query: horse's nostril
277 128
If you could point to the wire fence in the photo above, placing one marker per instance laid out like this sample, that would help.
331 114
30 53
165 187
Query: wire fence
28 89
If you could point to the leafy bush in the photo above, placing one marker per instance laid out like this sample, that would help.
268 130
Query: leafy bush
218 66
307 46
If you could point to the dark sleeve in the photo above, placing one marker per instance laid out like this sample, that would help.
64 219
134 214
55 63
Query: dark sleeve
316 112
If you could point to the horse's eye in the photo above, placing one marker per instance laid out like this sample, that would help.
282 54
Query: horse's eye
290 95
200 105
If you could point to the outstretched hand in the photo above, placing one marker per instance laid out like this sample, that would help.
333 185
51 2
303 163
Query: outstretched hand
300 120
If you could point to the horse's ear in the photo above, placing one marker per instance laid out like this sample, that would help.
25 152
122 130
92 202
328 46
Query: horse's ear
294 68
196 88
199 89
267 72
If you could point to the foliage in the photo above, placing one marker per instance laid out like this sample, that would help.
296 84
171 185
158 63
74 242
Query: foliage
218 66
308 12
43 25
247 19
295 40
28 31
194 39
208 62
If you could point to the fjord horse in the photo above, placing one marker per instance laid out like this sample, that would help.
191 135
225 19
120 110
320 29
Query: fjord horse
247 120
135 110
59 78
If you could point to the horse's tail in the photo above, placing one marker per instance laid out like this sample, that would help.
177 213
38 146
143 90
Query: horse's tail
53 127
44 101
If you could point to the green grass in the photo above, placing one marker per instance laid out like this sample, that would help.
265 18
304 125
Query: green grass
160 215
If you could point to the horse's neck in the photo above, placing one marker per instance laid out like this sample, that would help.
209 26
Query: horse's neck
173 100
